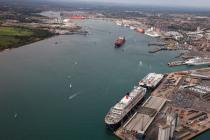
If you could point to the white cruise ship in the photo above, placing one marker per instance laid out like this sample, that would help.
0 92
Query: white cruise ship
150 32
198 61
118 113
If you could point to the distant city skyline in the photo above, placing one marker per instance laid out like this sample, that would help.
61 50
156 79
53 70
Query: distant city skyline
171 3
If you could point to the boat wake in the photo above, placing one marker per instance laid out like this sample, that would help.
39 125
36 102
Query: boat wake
74 95
16 115
140 63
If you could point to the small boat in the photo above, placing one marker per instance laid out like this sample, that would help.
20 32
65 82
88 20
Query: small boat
132 27
126 25
119 23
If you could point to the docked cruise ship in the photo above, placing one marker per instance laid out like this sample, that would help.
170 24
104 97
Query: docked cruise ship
150 32
118 113
198 61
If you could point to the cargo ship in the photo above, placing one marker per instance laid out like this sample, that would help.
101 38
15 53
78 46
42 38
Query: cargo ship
119 112
119 42
198 61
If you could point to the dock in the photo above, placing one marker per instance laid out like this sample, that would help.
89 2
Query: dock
184 93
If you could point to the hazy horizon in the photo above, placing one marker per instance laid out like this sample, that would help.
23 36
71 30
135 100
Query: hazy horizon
168 3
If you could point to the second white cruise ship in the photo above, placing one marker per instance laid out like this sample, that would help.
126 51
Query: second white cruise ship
198 61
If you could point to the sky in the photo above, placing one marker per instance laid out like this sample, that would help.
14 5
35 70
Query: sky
171 3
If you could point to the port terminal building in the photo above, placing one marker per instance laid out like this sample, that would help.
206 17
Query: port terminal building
138 124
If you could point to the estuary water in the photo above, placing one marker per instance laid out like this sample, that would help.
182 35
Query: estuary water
62 87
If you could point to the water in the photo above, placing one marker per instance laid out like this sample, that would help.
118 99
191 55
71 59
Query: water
36 99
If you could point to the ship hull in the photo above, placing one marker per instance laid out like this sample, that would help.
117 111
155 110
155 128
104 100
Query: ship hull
197 64
118 45
119 42
113 127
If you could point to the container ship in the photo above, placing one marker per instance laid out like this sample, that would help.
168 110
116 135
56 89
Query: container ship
198 61
119 112
119 42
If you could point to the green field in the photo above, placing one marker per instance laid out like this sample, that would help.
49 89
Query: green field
7 41
11 37
14 31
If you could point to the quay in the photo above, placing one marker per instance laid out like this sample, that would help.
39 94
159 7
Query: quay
155 50
156 44
161 49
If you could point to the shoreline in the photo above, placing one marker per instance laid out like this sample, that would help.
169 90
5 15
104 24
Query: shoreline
40 39
23 44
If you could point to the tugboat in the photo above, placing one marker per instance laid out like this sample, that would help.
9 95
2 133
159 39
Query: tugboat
119 42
